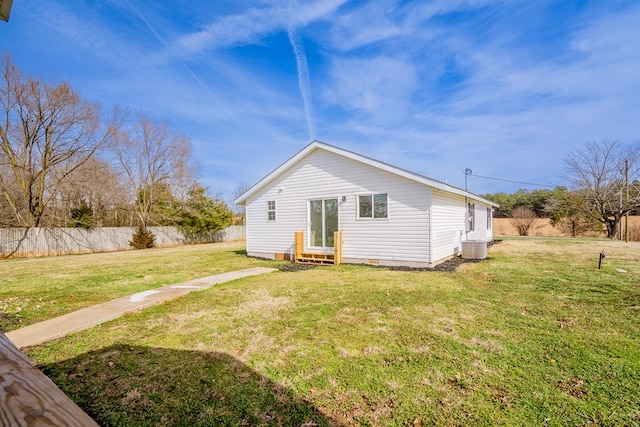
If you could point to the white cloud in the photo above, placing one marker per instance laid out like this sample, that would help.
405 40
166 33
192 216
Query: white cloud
384 20
513 116
375 85
370 23
255 23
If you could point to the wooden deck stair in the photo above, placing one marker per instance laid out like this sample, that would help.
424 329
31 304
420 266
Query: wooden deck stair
306 257
29 398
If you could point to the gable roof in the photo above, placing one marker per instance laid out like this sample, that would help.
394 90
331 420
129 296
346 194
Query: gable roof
318 145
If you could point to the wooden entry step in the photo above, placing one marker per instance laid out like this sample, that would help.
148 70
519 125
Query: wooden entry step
315 258
303 257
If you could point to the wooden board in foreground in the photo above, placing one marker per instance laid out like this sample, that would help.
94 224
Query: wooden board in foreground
30 398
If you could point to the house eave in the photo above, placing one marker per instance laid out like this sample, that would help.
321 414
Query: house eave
5 9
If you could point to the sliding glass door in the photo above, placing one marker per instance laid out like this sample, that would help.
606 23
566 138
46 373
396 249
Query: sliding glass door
323 221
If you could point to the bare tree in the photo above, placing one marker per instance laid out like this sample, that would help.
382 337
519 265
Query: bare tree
8 213
600 173
153 157
46 133
239 211
522 218
565 214
97 186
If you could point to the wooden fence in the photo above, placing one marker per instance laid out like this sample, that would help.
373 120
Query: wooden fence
543 227
21 242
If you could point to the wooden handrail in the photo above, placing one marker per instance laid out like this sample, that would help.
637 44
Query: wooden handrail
29 398
337 247
299 244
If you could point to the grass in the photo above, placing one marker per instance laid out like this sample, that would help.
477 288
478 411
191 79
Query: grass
535 335
37 289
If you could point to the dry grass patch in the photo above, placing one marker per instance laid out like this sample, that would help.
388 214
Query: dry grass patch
259 302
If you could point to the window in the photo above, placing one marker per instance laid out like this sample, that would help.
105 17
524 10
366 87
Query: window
489 217
271 210
372 206
471 221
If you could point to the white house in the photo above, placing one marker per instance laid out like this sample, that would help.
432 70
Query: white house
386 215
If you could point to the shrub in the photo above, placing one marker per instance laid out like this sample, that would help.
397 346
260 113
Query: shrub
82 217
143 238
201 216
522 218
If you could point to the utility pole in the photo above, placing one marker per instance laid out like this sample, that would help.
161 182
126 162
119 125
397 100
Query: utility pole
466 173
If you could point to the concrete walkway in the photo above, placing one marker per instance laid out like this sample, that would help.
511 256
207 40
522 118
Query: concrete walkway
91 316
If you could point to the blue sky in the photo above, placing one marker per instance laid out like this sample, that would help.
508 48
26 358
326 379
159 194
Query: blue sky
505 88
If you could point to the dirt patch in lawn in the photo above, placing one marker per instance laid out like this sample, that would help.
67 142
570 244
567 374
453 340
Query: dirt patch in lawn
8 322
294 266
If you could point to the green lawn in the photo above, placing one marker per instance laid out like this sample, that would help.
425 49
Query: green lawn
37 289
534 335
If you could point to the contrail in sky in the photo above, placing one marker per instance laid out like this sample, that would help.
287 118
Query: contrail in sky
303 79
186 67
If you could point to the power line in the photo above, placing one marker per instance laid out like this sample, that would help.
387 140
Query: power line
515 182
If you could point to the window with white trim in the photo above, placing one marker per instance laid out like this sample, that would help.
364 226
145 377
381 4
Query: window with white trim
271 210
373 206
471 220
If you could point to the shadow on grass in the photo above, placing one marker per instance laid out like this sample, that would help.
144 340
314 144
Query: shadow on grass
143 386
242 252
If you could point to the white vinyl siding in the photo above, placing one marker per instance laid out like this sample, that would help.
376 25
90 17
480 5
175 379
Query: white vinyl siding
402 237
482 230
451 221
449 224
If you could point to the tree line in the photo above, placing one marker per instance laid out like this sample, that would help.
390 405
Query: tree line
66 162
604 186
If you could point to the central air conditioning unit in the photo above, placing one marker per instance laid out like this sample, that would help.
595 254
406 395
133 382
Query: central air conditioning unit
474 249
